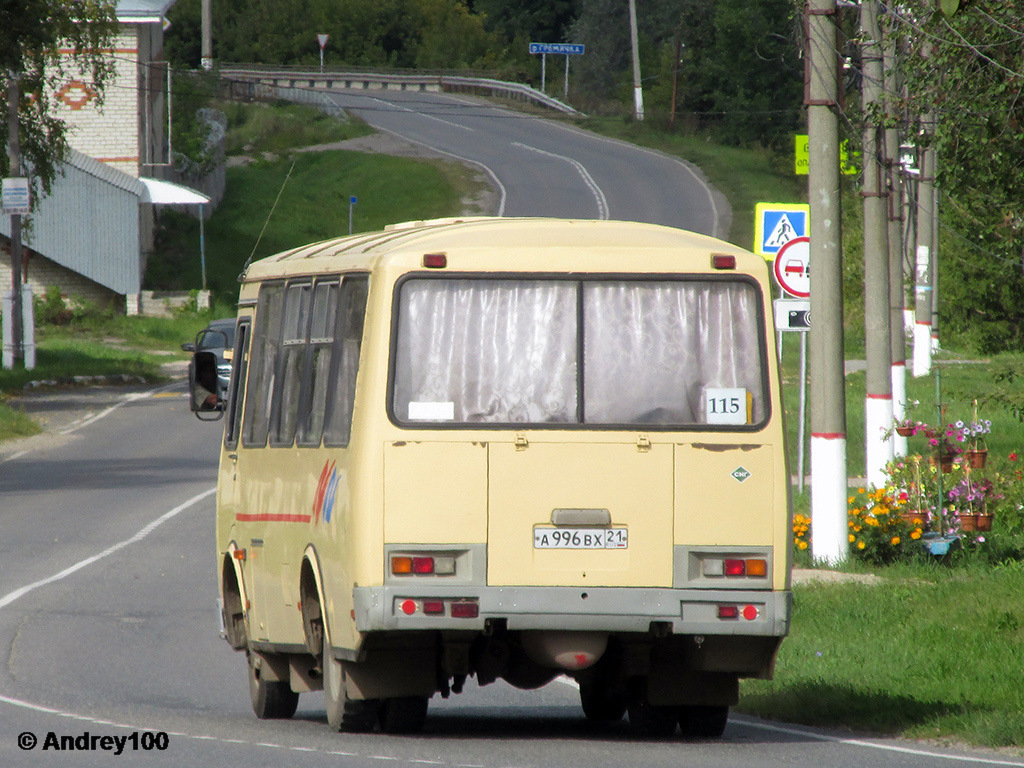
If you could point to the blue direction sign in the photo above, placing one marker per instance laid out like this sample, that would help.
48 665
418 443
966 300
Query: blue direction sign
775 224
576 48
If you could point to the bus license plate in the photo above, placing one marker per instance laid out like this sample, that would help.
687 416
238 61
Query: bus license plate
580 538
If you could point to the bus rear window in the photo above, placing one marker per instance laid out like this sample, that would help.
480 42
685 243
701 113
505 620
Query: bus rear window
558 352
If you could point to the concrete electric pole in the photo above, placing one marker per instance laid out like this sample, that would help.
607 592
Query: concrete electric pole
925 263
877 342
206 56
17 351
638 93
827 388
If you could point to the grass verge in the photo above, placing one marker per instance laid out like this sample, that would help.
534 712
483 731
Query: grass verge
924 654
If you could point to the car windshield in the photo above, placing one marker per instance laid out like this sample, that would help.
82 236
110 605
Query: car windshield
214 337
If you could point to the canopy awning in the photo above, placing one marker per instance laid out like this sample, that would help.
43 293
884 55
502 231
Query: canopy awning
160 192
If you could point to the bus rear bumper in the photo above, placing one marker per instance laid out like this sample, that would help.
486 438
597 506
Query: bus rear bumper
760 613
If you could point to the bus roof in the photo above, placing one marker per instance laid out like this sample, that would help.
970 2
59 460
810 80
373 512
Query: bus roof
367 250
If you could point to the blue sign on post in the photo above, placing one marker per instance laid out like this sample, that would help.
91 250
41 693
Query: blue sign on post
565 48
775 224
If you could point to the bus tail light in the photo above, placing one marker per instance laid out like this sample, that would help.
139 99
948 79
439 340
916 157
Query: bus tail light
735 567
723 261
404 565
728 612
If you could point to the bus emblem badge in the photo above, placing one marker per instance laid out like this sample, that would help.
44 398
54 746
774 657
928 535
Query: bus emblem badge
741 474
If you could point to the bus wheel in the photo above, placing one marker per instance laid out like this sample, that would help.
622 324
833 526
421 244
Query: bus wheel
271 700
650 719
343 713
602 703
405 714
703 722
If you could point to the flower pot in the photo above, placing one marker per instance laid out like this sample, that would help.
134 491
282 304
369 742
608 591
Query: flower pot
904 431
968 522
984 523
976 458
946 465
915 516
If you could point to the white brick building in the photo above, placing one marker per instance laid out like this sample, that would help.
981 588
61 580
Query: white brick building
128 134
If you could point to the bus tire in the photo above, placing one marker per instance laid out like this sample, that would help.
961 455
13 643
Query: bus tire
343 713
650 720
271 699
602 703
403 714
703 721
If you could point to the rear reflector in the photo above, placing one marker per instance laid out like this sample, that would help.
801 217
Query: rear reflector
723 261
728 612
433 606
435 260
465 610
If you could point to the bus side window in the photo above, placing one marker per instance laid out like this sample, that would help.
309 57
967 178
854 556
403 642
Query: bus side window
295 331
348 337
317 367
266 342
236 392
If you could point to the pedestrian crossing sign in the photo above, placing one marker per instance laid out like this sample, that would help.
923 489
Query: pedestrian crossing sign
775 224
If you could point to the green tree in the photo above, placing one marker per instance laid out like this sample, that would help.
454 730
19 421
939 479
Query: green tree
392 33
738 70
969 68
35 37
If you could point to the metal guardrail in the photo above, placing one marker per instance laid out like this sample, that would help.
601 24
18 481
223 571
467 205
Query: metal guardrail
249 78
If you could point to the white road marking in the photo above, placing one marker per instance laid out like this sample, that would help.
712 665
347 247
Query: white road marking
10 597
420 114
477 163
794 731
92 419
704 185
602 201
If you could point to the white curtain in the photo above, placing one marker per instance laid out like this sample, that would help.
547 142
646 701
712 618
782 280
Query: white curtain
501 351
653 349
505 351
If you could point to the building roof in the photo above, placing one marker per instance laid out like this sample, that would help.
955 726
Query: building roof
142 11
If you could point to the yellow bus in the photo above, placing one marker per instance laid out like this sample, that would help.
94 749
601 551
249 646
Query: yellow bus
505 449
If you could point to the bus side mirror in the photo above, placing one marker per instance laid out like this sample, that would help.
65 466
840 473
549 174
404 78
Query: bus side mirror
203 387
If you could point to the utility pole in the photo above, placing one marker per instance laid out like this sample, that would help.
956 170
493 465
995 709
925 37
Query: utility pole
14 155
897 334
207 43
877 343
638 93
925 261
827 387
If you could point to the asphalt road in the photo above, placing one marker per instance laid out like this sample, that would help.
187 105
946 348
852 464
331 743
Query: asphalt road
108 617
546 167
109 633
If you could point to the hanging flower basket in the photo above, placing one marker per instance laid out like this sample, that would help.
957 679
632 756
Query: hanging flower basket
976 457
904 431
968 522
984 523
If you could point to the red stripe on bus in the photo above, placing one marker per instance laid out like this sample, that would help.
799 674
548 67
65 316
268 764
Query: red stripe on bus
273 518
